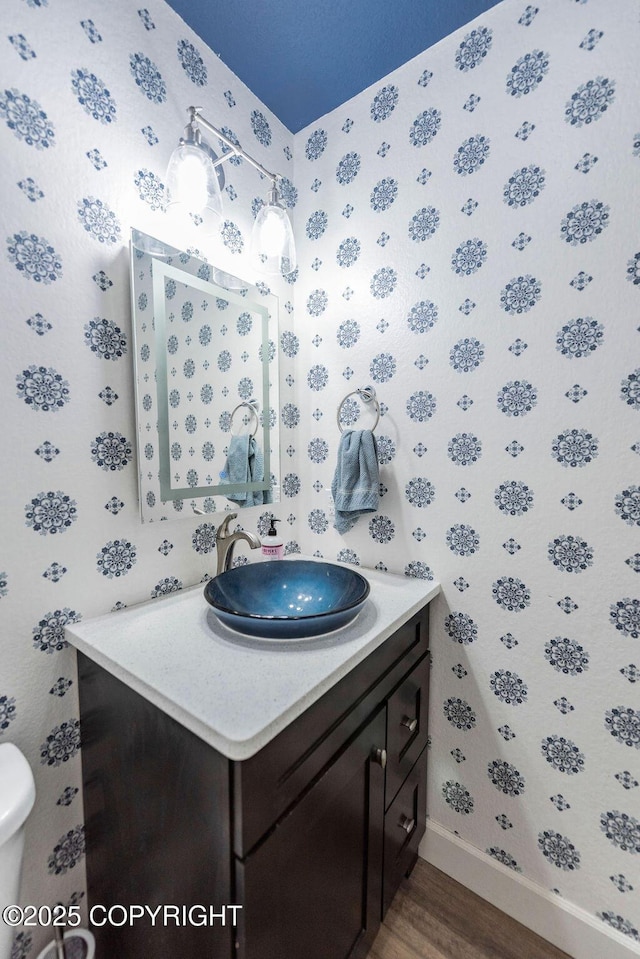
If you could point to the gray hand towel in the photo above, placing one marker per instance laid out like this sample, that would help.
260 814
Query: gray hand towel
356 484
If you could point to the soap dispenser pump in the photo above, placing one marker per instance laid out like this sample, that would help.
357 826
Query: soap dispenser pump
272 544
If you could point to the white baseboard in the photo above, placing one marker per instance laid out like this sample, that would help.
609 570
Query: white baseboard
568 927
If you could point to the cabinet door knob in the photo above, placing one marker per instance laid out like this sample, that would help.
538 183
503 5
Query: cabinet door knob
380 757
410 724
407 824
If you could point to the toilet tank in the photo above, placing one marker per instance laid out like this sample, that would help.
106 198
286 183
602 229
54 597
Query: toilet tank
17 795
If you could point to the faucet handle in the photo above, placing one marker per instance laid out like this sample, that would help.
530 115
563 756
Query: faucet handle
223 528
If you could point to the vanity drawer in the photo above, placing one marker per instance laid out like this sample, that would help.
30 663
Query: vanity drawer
407 710
404 827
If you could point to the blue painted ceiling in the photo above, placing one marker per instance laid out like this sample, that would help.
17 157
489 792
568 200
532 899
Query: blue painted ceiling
303 58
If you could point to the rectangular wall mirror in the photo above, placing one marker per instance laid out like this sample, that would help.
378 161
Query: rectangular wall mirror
206 385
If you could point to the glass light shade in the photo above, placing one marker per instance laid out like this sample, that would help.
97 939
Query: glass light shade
192 187
272 243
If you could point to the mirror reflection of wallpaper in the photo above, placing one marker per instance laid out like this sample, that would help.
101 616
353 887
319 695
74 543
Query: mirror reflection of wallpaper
213 365
215 378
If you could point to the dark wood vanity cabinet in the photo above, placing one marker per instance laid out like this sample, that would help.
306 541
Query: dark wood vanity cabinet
311 836
314 885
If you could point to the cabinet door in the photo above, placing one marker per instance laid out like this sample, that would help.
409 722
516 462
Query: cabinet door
156 801
312 889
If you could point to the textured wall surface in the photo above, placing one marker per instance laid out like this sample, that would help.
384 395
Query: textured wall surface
91 106
467 237
468 245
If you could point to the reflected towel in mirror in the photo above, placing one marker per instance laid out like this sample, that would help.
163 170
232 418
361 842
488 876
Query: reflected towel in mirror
245 464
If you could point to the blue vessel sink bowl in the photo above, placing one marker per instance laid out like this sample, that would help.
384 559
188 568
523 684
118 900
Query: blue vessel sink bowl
287 599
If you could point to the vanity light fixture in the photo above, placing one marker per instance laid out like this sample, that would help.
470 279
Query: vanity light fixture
272 243
194 178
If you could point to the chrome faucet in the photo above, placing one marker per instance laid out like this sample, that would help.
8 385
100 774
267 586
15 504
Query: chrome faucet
226 541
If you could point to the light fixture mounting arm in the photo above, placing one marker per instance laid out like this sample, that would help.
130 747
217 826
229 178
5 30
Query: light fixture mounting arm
196 120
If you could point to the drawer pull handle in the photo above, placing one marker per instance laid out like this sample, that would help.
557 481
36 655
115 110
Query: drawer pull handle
409 724
407 824
380 757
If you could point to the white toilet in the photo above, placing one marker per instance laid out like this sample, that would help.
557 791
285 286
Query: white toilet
17 795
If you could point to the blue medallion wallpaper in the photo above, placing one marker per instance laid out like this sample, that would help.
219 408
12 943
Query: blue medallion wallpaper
468 241
92 102
468 245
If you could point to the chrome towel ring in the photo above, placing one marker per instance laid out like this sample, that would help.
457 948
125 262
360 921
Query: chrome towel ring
251 406
367 394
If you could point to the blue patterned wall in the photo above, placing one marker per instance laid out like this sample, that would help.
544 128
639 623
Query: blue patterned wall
468 245
91 104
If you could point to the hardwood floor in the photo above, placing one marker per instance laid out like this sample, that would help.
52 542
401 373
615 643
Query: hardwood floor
434 917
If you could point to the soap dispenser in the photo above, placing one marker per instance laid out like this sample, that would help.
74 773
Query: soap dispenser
272 544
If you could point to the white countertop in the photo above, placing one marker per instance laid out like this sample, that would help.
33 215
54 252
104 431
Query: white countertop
235 692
